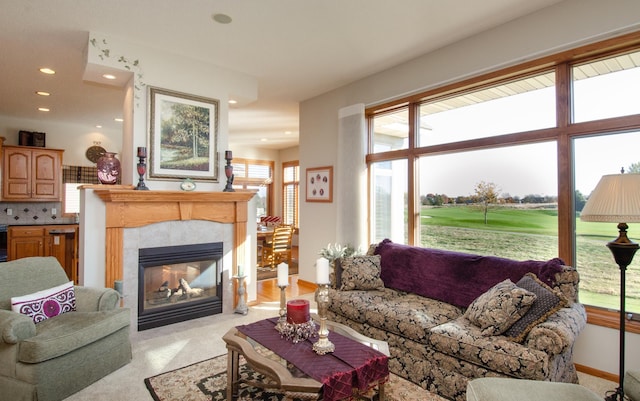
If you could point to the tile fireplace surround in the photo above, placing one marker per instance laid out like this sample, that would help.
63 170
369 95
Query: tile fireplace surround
142 219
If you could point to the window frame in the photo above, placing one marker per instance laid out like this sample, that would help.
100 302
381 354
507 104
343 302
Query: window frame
562 133
296 184
245 182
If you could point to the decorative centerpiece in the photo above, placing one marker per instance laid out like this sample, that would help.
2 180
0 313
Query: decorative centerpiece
298 326
295 322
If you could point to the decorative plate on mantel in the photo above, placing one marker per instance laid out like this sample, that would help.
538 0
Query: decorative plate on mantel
93 153
187 185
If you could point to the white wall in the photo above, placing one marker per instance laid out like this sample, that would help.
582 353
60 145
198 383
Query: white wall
73 138
562 26
157 69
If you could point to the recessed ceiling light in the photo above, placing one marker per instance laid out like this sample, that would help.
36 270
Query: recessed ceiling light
263 140
221 18
98 126
46 70
109 76
118 119
42 93
43 109
231 101
287 132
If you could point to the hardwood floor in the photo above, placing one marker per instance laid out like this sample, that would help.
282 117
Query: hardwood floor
268 290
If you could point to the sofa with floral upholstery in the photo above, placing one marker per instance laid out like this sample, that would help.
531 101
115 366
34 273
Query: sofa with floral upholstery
450 317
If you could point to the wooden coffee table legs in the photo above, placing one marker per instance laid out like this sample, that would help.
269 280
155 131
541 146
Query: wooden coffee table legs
233 374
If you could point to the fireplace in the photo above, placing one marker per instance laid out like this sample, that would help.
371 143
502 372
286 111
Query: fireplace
134 220
178 283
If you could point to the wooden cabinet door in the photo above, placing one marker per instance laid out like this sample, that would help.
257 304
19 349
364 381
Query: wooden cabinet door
32 174
60 241
25 241
16 174
45 174
25 247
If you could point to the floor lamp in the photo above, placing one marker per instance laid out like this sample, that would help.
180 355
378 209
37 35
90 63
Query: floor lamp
616 199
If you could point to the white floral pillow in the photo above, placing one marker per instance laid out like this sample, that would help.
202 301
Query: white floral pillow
361 273
500 307
46 304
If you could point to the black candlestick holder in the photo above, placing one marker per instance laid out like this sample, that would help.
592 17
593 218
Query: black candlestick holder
228 171
142 169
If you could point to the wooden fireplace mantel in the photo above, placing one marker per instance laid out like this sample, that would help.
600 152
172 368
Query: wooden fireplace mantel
127 208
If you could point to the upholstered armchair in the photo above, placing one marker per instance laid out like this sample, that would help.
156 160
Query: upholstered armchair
59 338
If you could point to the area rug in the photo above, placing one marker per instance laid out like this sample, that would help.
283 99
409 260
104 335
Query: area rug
207 381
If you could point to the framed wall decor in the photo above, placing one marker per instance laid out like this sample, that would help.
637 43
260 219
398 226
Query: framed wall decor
183 131
320 184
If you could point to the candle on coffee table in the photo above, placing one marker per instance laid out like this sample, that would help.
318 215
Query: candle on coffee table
283 274
322 271
298 311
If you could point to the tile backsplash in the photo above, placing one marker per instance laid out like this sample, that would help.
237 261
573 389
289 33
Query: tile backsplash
30 213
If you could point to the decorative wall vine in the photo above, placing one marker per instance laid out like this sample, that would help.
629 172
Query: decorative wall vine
127 63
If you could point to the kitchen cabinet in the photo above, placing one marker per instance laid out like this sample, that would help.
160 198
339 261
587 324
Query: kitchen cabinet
25 241
60 241
31 174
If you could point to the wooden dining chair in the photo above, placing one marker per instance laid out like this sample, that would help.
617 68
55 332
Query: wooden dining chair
279 249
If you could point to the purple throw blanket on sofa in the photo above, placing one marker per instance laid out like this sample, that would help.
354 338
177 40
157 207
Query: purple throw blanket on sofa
453 277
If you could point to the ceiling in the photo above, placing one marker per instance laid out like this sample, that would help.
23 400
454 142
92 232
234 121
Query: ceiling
297 49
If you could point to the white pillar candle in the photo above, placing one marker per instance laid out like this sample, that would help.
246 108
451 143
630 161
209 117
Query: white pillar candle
283 274
240 270
322 271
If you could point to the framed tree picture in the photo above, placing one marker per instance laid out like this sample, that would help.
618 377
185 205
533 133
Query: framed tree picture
320 184
183 131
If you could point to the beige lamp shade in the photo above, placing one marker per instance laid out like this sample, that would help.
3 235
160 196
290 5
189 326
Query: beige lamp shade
616 199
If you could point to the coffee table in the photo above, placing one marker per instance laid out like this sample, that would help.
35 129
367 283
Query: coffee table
281 376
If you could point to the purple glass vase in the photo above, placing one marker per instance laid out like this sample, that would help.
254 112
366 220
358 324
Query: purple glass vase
108 168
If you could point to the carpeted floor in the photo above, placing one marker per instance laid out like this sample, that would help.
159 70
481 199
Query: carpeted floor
207 380
169 348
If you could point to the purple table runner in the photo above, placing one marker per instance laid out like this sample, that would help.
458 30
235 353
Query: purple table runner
351 365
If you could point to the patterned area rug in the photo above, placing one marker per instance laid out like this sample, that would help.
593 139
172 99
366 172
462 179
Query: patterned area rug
207 381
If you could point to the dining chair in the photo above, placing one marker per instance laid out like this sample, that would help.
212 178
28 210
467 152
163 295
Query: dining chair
279 249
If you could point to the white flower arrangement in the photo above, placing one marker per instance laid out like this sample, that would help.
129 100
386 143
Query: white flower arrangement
334 251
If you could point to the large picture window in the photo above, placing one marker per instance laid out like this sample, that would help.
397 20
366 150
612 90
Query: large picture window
502 164
599 274
519 105
504 203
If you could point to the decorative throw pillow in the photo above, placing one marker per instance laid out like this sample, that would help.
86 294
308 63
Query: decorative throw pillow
361 273
499 307
44 304
548 301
